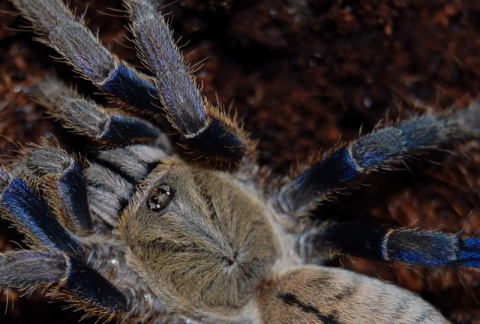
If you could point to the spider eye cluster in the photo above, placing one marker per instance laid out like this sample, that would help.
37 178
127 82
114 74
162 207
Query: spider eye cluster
160 197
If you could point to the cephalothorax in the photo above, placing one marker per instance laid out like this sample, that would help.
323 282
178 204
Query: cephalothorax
142 233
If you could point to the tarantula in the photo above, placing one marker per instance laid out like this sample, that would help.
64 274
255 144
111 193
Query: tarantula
146 233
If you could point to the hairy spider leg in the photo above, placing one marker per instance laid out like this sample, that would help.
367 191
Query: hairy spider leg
59 177
32 217
85 117
66 277
379 243
58 257
206 133
205 129
379 150
60 30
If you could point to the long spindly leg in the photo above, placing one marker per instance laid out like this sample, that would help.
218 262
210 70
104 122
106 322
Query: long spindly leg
207 134
395 245
66 278
88 119
379 150
57 175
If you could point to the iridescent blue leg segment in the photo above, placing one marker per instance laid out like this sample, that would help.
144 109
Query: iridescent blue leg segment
85 117
129 86
204 130
395 245
27 270
31 216
60 178
57 260
379 150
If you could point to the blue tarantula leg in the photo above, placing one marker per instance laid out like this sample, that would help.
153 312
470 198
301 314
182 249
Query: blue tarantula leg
376 151
88 119
60 30
397 245
59 176
66 278
205 131
30 216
